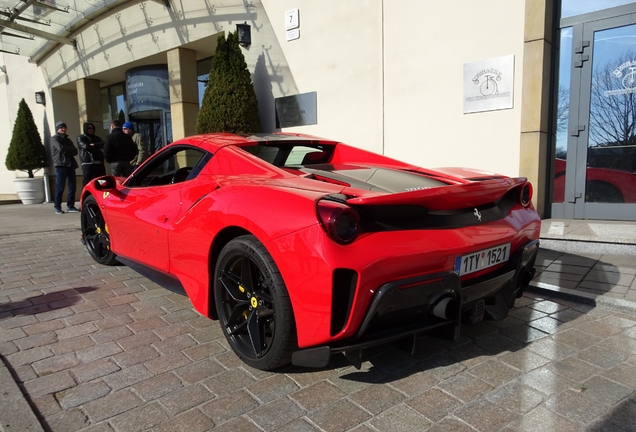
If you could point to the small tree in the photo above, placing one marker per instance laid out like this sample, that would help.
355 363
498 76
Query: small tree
26 151
229 101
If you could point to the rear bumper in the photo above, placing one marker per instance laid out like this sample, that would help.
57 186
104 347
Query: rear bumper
409 307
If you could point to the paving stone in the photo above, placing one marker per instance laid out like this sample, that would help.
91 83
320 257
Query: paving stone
376 399
574 369
272 388
228 382
546 381
68 421
199 371
484 415
95 369
173 330
55 364
165 363
127 377
46 405
442 366
230 406
338 416
465 387
174 344
494 372
44 327
451 425
469 354
541 419
576 406
551 349
203 350
111 334
620 417
29 356
82 394
157 386
237 424
190 421
47 384
111 405
524 333
40 339
302 425
185 398
516 397
99 351
624 374
77 330
434 404
400 418
135 356
604 390
139 419
145 325
524 360
317 395
414 382
601 357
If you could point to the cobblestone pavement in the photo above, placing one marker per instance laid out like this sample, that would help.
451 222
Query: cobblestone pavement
102 349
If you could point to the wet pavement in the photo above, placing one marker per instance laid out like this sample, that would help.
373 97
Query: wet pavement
91 348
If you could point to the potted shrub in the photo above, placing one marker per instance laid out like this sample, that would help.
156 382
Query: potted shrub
229 101
27 153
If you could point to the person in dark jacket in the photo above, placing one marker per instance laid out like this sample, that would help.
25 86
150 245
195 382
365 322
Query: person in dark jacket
90 153
64 152
119 150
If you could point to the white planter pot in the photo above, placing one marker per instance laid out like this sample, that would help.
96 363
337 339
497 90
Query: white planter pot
30 190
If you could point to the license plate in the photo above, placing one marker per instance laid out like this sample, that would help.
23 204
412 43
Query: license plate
483 259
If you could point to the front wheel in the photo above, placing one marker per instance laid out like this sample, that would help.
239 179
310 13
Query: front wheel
95 233
253 304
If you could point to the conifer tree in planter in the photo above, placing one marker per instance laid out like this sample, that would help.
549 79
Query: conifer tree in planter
229 101
27 153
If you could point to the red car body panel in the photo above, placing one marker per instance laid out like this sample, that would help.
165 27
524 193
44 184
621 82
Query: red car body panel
173 228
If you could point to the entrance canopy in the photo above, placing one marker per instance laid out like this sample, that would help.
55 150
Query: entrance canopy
34 28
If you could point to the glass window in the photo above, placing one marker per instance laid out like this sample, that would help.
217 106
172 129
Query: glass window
577 7
562 114
203 71
113 105
173 166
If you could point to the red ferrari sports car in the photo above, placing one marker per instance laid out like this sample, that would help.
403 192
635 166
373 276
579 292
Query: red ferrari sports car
304 247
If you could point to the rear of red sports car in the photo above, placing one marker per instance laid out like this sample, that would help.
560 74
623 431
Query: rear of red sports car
312 247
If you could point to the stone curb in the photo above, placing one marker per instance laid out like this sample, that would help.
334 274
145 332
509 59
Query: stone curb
619 305
16 413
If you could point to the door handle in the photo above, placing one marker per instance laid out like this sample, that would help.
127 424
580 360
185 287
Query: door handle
162 219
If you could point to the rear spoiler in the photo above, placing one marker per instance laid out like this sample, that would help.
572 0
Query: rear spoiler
450 197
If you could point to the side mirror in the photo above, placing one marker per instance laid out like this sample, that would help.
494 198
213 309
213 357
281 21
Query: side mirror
106 183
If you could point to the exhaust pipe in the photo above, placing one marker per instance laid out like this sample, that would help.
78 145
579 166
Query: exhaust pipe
445 308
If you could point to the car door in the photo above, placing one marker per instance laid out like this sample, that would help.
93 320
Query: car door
150 204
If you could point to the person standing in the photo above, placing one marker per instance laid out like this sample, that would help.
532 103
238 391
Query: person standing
142 150
119 150
91 155
64 151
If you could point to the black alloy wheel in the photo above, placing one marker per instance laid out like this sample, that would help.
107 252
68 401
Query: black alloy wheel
253 305
95 233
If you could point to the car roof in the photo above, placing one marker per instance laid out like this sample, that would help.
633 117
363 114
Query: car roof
215 141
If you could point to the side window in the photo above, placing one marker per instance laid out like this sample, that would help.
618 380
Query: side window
172 166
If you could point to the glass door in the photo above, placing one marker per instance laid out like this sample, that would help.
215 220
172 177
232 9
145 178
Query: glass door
597 136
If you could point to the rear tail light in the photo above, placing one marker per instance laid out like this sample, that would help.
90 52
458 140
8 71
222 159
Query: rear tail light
341 222
525 194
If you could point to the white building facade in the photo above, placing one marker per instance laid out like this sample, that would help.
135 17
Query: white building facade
437 84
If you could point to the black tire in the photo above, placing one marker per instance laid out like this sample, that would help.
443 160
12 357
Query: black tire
253 305
95 233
